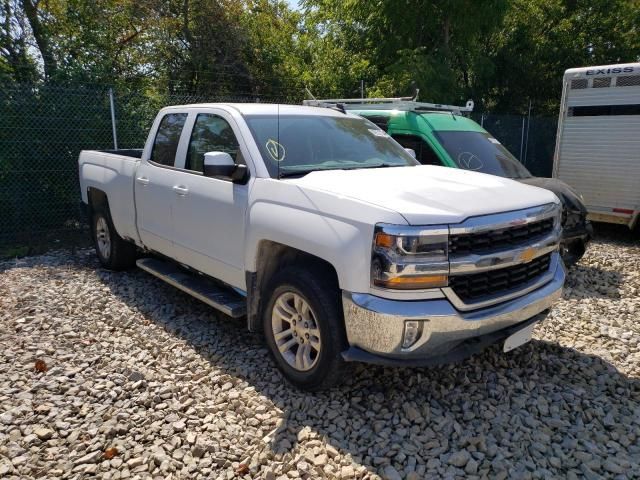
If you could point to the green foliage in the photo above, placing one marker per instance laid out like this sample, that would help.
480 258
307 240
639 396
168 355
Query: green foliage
501 53
542 38
436 46
272 36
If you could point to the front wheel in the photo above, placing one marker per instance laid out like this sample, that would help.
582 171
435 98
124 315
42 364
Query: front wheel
303 325
113 251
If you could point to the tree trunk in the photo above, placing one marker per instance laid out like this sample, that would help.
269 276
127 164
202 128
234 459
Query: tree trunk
188 38
446 35
40 34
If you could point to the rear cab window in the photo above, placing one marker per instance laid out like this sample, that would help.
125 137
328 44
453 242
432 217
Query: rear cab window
167 138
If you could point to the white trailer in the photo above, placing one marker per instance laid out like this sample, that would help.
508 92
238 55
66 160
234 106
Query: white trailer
598 141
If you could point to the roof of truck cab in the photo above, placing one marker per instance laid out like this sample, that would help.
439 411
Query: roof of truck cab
268 109
438 121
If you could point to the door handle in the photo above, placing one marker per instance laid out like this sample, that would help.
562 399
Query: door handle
181 190
142 180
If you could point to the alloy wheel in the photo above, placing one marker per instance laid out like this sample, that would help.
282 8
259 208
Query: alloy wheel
296 331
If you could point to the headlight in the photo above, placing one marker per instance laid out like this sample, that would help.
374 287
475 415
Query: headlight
410 258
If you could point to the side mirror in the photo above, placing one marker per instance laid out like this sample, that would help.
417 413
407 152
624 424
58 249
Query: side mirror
221 165
411 152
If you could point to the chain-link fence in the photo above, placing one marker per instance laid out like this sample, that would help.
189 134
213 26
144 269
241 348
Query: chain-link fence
42 131
531 139
44 128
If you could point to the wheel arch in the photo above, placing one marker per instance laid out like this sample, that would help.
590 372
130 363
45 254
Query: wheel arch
272 257
97 199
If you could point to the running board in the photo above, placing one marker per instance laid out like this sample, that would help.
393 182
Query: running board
208 291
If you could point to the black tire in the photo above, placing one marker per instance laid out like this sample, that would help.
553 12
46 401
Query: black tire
320 290
120 254
573 252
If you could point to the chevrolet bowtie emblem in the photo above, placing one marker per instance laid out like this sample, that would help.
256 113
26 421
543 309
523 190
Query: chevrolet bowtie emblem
527 255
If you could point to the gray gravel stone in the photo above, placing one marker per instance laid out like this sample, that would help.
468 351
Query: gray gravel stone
182 392
390 473
43 433
612 467
88 458
471 467
459 459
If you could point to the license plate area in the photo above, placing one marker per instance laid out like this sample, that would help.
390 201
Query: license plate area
519 338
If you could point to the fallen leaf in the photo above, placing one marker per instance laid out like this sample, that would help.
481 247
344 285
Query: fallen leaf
109 453
41 366
242 469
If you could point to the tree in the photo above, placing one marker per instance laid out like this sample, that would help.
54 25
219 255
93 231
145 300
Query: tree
273 48
435 45
501 53
15 62
540 39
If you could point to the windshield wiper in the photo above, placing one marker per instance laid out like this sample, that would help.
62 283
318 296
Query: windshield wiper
303 172
295 173
384 165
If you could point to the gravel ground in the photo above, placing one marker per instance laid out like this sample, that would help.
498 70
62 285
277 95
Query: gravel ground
116 375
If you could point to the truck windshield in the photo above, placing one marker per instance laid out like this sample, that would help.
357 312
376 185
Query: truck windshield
480 152
297 144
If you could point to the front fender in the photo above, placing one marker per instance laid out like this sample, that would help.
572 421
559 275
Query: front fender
347 247
337 230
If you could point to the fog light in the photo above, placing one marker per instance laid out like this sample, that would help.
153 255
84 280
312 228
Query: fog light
412 331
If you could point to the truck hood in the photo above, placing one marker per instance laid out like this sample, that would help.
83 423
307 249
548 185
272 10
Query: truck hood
427 194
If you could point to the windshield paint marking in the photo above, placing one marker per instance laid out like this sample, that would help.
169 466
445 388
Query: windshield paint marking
276 150
469 161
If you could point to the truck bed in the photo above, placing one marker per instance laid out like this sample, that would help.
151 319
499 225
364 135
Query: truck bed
125 152
112 172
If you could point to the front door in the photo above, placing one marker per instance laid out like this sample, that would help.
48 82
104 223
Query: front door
209 213
154 191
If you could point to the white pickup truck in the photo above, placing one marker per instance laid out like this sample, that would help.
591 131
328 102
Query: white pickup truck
327 236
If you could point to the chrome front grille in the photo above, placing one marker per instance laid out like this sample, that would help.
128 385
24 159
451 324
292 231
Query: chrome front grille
495 258
500 239
470 288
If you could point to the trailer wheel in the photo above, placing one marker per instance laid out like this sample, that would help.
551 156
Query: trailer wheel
303 327
113 251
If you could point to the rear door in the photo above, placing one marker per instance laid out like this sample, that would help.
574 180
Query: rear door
209 213
154 187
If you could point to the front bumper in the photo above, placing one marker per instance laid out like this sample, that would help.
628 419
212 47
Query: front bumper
375 326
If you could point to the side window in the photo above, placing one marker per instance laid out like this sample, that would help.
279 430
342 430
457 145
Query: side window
166 143
211 133
424 153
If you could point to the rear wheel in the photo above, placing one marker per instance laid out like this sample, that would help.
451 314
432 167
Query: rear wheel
303 325
113 251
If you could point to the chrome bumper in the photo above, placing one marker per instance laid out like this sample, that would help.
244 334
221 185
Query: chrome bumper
375 326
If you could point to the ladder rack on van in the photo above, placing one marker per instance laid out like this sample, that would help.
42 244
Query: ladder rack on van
398 103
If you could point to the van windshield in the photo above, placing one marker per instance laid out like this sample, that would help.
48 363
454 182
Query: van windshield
298 144
480 152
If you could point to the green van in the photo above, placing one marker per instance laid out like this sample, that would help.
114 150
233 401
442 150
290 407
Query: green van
447 138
